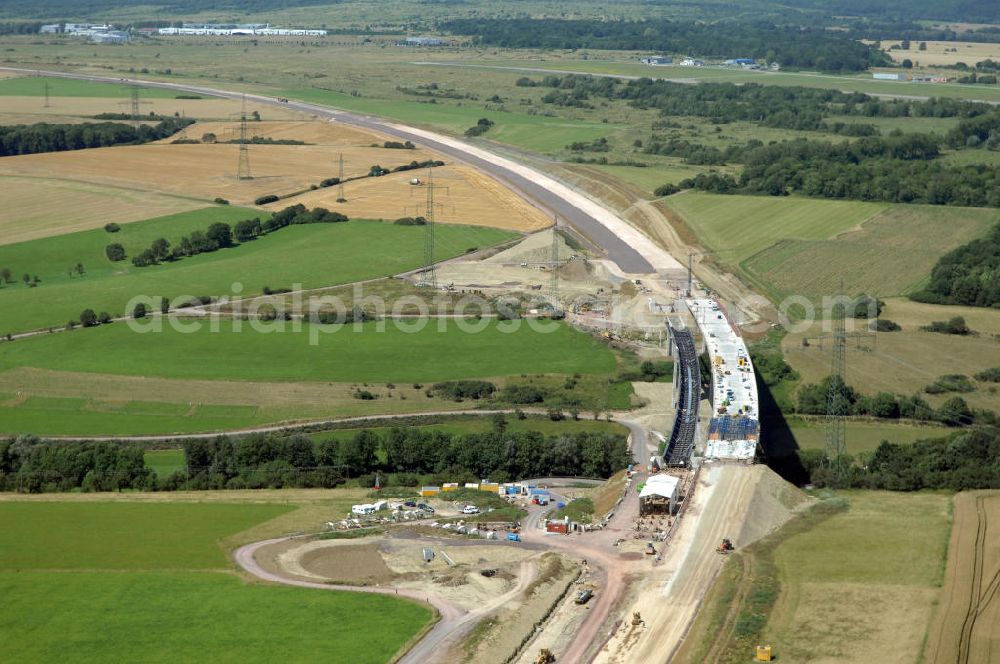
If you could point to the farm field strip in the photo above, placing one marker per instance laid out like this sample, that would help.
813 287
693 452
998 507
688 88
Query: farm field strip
312 256
873 570
967 625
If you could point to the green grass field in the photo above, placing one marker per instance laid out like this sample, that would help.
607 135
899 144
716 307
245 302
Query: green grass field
891 254
797 246
311 255
533 132
341 355
149 582
122 536
735 228
34 86
861 436
874 572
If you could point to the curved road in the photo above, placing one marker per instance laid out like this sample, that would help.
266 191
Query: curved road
632 251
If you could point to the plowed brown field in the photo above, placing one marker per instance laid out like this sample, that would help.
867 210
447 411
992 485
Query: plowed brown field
966 628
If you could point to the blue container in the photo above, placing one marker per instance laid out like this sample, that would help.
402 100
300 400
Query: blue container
560 505
513 537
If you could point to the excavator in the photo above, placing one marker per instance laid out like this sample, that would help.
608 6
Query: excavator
725 547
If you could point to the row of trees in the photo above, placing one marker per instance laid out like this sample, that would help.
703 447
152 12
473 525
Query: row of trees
31 465
966 460
792 46
814 399
266 460
220 235
44 137
898 169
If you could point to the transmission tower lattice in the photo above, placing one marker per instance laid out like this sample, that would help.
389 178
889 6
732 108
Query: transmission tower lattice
836 434
134 96
430 272
243 168
340 181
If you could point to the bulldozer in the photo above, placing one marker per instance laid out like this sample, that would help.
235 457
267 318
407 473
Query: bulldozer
545 656
725 547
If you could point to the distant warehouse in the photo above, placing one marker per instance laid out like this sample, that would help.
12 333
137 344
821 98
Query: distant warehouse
887 76
657 60
240 31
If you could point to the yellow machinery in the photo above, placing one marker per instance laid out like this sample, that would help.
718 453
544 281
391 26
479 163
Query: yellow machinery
763 654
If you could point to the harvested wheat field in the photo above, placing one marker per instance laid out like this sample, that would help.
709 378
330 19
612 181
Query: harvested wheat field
309 131
87 107
462 196
39 206
938 53
966 627
205 171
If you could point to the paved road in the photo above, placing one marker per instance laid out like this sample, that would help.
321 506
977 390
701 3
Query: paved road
571 208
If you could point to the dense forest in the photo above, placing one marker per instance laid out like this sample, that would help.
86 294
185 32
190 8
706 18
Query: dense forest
44 137
969 275
411 456
793 47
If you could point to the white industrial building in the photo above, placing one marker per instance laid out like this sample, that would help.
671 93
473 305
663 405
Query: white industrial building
240 31
659 495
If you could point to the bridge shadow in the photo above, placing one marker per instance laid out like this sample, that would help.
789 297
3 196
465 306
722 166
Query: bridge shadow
778 445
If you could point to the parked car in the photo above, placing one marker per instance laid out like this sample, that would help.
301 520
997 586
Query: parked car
584 596
410 503
425 507
470 509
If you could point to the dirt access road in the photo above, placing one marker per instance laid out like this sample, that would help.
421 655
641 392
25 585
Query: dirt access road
453 622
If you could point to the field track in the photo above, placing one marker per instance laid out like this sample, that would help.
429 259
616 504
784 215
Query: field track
967 627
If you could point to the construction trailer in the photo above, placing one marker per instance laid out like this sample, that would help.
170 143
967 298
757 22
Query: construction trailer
659 495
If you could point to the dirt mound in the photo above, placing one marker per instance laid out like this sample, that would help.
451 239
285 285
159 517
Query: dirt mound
773 502
536 248
453 577
358 563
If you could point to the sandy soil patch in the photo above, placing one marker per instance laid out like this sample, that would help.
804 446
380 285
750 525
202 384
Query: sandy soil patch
355 563
39 207
463 196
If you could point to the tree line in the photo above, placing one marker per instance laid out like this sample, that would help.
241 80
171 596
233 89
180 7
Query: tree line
220 235
44 137
962 461
792 46
406 457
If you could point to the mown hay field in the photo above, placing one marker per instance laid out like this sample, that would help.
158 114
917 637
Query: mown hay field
861 585
37 207
966 626
891 254
207 171
149 581
939 52
300 256
463 195
905 362
735 228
